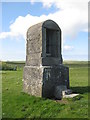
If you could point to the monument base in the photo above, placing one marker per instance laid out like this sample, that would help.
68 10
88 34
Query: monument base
46 81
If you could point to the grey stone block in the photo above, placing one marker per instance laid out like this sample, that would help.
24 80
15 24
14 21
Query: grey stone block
44 73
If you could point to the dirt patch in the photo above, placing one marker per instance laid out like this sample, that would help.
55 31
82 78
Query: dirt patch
64 101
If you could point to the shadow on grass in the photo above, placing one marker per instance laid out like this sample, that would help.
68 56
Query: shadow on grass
80 89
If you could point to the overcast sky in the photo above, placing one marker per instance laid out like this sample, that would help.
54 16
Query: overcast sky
71 16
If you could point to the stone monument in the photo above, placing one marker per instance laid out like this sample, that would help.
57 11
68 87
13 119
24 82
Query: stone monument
44 72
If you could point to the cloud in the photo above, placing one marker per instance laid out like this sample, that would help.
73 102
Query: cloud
63 4
20 26
72 17
68 47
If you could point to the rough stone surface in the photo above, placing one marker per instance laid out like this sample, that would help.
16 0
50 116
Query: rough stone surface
44 73
33 80
58 91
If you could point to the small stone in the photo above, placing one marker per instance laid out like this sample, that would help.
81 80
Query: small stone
70 95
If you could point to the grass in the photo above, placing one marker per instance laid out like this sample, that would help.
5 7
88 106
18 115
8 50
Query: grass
16 104
16 65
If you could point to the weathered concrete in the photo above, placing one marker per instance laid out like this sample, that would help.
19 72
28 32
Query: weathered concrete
70 96
44 72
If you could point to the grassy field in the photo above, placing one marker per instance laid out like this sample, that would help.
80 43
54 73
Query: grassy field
11 65
16 104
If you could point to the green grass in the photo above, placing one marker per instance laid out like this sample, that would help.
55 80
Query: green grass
16 104
16 65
